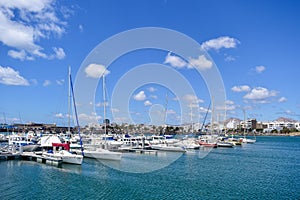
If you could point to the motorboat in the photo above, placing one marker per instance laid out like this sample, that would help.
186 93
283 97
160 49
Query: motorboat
64 154
224 144
21 141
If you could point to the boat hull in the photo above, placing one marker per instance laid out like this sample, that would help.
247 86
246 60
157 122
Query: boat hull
102 154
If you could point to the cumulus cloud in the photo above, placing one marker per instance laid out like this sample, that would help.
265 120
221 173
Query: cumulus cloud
282 99
59 53
260 69
24 23
221 42
59 115
241 88
152 89
46 83
147 103
96 70
260 93
9 76
153 96
175 61
89 118
141 96
201 63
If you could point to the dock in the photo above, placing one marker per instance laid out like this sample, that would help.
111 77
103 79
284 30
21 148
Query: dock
32 156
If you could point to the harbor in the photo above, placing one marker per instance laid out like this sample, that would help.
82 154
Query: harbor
264 170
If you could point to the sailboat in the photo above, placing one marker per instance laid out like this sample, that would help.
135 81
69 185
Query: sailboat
247 140
98 152
63 152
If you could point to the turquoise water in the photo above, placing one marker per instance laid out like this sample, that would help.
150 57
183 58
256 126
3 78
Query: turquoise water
268 169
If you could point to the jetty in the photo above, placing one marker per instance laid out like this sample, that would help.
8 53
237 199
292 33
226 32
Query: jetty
32 156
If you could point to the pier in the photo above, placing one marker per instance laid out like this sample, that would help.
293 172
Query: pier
32 156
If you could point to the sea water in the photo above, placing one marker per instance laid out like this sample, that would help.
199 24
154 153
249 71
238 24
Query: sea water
268 169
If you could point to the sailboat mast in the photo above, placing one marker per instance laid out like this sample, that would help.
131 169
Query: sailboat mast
104 103
69 100
191 107
244 122
212 115
225 118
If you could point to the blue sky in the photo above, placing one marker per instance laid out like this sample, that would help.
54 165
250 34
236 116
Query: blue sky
254 44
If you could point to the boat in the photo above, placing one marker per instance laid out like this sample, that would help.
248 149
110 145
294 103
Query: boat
247 140
103 154
97 151
63 150
206 143
22 142
64 154
166 147
224 144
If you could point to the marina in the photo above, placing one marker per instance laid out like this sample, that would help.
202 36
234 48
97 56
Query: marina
268 169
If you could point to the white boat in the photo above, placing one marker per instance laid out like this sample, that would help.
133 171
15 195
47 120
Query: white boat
22 141
249 141
166 147
224 144
96 150
102 154
66 156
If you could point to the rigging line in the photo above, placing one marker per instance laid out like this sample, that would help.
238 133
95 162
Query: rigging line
205 116
75 110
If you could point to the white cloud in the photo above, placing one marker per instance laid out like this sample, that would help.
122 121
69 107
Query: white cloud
88 118
101 104
24 23
60 82
21 55
260 69
175 61
260 93
171 112
147 103
9 76
33 82
201 63
140 96
80 28
96 70
241 88
115 110
46 83
282 99
152 89
59 53
192 99
153 96
59 115
221 42
229 58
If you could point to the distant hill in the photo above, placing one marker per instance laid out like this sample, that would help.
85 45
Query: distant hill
285 119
